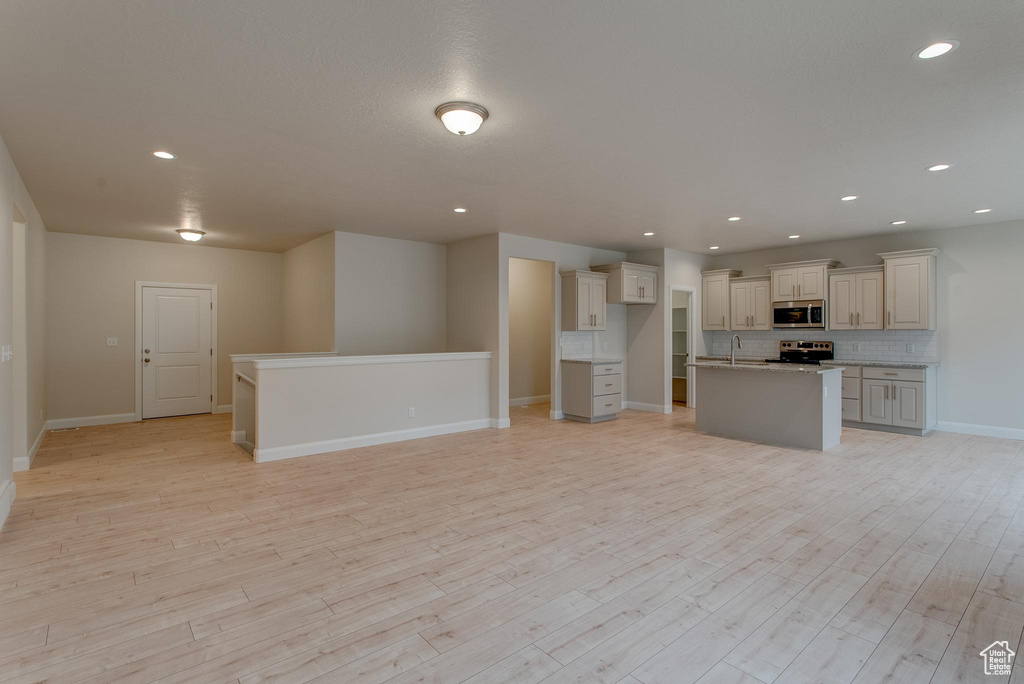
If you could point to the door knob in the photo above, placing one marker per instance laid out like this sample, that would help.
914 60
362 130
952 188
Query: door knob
146 360
145 351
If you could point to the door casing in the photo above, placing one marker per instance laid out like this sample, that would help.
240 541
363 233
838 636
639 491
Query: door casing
139 284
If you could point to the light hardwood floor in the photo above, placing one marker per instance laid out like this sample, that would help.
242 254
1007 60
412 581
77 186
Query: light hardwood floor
624 552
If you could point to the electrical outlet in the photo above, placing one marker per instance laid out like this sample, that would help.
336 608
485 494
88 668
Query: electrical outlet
911 348
412 412
856 346
825 395
111 341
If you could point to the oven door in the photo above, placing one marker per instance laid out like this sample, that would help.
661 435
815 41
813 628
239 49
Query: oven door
805 314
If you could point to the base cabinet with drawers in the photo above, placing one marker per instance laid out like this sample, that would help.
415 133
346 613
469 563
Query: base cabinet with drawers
890 398
591 390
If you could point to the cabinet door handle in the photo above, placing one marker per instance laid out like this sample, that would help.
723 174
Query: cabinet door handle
886 391
851 318
858 319
892 373
723 322
890 318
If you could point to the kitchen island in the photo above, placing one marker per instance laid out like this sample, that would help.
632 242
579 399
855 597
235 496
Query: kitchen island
786 405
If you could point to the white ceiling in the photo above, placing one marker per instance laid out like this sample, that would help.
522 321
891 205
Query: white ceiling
608 118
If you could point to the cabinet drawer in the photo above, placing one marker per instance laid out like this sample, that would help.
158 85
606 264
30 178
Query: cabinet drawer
851 388
851 372
607 405
910 374
607 368
851 409
607 384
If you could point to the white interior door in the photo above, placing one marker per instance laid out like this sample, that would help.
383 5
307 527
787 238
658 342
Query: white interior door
177 351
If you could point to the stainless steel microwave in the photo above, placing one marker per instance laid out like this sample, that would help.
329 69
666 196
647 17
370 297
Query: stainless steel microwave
805 314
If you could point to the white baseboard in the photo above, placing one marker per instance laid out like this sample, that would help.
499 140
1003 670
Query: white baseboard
556 415
86 421
7 491
500 423
25 462
650 408
296 450
237 436
523 401
223 408
982 430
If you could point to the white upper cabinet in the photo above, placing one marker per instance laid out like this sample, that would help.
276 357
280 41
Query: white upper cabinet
630 283
856 298
584 300
714 299
801 280
750 303
910 289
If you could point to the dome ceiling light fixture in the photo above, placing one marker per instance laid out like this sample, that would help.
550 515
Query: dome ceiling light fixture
191 234
163 154
461 118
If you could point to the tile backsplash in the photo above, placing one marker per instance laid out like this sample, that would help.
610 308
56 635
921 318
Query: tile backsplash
577 345
875 345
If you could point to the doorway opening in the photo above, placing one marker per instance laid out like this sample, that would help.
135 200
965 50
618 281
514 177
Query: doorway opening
531 314
681 346
176 340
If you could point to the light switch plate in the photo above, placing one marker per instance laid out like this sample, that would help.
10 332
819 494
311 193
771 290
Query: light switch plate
856 346
911 348
111 341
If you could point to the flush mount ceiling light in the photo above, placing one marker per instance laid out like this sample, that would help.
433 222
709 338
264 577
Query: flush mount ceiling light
163 154
460 210
461 118
937 49
735 218
898 223
794 237
849 198
982 211
191 235
938 167
713 247
648 234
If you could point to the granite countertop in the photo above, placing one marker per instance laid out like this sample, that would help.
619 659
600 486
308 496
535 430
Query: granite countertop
883 364
767 367
838 362
597 361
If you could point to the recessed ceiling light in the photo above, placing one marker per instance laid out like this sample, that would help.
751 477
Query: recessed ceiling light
898 223
849 198
191 235
460 210
938 167
163 155
713 247
648 234
937 49
461 118
982 211
735 218
793 237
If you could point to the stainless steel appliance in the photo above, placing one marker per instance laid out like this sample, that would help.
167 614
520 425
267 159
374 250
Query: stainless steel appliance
808 313
804 352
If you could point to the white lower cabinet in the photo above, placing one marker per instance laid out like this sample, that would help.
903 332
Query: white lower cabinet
591 390
896 397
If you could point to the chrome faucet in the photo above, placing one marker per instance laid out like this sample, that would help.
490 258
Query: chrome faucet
734 344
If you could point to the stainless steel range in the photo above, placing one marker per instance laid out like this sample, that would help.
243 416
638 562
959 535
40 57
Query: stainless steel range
807 353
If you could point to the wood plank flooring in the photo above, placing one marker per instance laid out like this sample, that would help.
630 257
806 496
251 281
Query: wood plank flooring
634 551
